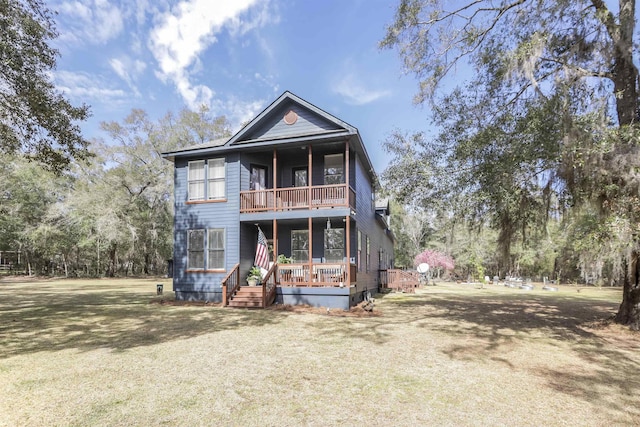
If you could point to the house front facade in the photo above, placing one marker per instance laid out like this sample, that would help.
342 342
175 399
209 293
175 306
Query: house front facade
303 178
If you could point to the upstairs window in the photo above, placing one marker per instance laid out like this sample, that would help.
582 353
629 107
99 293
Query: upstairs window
216 179
196 180
333 169
300 177
206 178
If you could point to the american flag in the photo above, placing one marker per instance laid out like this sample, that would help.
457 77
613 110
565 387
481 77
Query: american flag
262 252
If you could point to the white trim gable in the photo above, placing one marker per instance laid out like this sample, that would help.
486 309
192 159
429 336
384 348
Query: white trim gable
290 117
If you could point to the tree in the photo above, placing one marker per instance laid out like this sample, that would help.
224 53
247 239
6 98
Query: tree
436 260
550 112
35 118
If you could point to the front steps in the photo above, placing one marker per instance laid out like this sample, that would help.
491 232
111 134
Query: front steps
247 297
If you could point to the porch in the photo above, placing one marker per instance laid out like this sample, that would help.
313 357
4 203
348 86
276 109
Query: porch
326 284
310 197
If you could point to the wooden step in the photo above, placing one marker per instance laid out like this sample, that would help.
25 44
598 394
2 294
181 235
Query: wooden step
249 291
247 297
245 304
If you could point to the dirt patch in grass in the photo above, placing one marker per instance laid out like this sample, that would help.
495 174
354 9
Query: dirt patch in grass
356 311
361 310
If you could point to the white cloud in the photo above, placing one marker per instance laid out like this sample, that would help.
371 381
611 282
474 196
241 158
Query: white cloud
90 22
128 70
184 33
86 87
237 111
352 88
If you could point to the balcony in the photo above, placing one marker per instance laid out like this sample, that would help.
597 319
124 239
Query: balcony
284 199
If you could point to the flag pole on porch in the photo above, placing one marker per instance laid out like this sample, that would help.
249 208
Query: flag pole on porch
262 251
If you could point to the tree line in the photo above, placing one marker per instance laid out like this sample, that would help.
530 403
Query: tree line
109 215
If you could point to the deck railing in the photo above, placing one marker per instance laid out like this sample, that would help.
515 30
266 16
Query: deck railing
269 287
401 280
230 284
280 199
316 274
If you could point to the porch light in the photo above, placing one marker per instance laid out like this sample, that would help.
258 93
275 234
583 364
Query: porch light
328 224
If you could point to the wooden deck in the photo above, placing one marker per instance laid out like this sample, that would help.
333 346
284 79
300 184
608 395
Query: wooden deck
287 275
281 199
400 280
316 274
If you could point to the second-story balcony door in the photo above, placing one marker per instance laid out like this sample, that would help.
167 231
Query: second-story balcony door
258 182
258 179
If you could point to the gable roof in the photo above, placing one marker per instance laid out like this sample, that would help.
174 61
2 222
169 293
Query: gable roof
270 127
287 117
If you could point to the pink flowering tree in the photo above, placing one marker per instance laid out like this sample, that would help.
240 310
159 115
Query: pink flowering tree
437 261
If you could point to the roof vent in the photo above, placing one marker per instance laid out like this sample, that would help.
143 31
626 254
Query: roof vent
291 117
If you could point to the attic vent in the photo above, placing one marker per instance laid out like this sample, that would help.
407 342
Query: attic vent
291 117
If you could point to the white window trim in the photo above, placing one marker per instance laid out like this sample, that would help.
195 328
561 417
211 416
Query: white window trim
224 248
198 181
207 180
204 248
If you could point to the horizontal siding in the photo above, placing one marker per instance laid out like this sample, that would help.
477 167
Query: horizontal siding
367 279
205 216
308 123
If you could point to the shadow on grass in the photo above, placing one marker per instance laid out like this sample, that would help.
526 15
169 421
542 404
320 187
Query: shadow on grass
45 317
486 327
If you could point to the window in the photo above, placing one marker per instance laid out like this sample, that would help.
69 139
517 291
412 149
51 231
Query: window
300 177
195 249
359 250
212 177
213 246
334 244
216 249
368 252
333 169
196 180
216 179
300 245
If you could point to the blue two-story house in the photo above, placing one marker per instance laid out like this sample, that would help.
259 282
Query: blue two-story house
304 178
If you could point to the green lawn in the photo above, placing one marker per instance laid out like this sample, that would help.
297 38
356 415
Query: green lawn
97 352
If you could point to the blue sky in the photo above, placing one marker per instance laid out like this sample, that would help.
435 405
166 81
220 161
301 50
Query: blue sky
236 56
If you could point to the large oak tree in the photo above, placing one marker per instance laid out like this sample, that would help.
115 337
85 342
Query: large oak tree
549 111
35 118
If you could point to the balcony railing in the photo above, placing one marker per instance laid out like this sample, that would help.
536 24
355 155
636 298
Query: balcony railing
316 274
282 199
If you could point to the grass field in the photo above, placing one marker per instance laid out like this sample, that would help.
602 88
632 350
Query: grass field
97 352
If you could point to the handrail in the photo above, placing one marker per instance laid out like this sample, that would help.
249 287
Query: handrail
403 280
269 286
288 198
233 279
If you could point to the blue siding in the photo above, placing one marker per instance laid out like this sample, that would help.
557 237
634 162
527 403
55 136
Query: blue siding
274 126
240 229
205 285
367 279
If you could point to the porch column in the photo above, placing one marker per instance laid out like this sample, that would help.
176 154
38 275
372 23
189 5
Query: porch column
310 225
275 240
309 176
275 176
346 171
348 248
